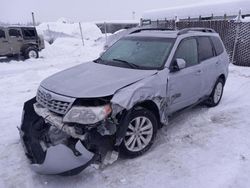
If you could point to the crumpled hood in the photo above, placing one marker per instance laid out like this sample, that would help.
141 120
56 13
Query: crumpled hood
91 79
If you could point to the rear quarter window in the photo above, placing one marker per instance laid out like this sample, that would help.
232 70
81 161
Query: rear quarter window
205 48
28 33
219 49
2 34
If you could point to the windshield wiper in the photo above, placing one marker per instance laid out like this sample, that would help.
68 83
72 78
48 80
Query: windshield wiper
98 60
132 65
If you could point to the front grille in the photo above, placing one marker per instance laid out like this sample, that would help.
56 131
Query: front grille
53 102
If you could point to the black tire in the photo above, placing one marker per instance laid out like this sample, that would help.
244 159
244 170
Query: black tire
212 101
31 52
149 117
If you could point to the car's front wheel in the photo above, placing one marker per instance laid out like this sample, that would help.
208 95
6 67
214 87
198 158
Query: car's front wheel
141 132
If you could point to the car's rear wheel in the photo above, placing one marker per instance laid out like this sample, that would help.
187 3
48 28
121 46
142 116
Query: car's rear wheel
141 132
31 53
216 94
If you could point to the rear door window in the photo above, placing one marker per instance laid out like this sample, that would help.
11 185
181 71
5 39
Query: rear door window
29 33
187 50
2 34
217 45
14 33
205 48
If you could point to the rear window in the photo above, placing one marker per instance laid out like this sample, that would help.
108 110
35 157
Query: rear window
2 33
217 45
205 48
14 33
28 33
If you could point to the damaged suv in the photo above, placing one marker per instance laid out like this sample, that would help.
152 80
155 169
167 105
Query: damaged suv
115 105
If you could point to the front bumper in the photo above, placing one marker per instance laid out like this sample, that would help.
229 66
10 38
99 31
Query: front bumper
60 159
57 159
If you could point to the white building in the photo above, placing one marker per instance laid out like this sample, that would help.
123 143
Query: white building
203 11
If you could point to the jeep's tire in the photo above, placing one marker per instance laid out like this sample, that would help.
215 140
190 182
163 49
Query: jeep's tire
216 95
140 135
31 53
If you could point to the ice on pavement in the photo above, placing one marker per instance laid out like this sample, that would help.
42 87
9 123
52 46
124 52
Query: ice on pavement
204 147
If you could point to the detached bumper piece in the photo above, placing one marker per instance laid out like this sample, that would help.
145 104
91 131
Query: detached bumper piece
68 157
61 160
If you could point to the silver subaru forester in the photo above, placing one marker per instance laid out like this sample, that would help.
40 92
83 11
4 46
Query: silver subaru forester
115 104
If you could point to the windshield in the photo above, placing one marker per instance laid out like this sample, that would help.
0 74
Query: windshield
138 52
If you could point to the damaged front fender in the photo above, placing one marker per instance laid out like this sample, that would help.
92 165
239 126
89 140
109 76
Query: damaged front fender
153 88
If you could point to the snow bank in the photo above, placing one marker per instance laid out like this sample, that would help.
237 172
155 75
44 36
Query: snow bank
69 48
205 10
65 28
66 40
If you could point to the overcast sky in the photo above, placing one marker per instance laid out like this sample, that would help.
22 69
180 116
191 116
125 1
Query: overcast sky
19 11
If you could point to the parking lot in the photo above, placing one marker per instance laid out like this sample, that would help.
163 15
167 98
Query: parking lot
200 148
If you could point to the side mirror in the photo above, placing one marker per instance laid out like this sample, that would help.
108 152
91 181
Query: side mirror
101 53
178 65
181 63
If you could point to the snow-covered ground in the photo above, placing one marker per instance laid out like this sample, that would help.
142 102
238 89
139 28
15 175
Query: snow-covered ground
201 148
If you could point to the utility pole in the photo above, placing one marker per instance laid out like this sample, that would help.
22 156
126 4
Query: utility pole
236 35
133 15
80 26
33 19
105 30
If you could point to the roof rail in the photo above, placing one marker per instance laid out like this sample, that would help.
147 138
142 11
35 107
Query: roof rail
200 29
137 30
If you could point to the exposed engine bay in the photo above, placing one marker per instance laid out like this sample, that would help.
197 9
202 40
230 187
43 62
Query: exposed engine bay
56 147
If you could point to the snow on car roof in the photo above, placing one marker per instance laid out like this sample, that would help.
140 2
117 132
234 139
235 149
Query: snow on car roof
194 11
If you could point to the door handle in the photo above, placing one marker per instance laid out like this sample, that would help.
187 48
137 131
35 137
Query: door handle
198 72
5 41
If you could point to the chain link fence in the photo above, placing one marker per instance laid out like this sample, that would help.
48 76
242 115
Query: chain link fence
235 35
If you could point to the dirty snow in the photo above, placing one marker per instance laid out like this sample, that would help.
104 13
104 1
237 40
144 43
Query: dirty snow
204 147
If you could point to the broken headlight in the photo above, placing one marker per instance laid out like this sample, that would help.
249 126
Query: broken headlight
87 115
